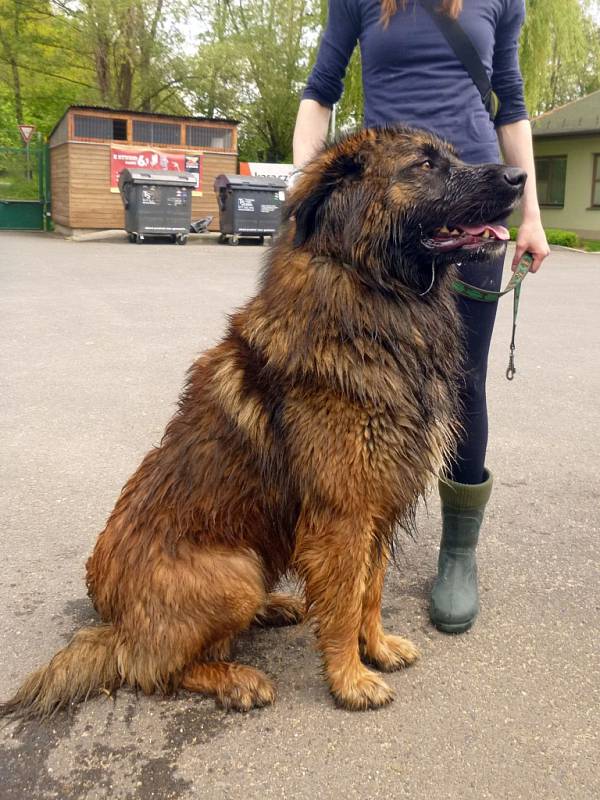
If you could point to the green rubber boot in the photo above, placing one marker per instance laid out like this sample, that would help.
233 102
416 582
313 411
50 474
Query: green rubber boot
454 598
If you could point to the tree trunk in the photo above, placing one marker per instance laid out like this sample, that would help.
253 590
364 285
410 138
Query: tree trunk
18 92
103 71
125 85
147 45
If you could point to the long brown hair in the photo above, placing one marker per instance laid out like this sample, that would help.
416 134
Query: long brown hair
389 8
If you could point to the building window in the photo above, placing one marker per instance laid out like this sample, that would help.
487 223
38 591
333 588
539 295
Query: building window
596 182
208 136
156 132
89 127
551 173
120 130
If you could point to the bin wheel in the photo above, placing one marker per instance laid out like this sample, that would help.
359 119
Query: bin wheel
181 238
139 238
222 238
261 239
234 241
132 237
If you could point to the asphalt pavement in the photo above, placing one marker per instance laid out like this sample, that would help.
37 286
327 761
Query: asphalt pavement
96 338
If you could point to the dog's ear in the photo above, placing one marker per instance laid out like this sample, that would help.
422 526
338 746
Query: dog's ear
313 190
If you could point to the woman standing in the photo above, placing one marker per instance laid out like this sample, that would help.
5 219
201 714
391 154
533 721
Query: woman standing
412 75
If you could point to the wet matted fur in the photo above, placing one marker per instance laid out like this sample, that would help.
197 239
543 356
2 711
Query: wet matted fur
301 440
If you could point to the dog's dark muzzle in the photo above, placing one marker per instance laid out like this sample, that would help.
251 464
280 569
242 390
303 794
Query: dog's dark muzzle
486 195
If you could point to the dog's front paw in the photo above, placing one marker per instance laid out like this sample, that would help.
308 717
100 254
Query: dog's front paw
390 653
363 691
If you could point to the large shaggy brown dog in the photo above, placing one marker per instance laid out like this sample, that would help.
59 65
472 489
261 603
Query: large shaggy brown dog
301 440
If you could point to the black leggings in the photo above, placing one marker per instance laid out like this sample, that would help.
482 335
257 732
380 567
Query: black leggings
478 321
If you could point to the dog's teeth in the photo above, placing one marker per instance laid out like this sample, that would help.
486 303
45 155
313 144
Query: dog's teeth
444 229
486 234
455 232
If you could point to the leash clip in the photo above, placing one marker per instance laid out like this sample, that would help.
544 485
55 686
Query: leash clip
511 369
514 284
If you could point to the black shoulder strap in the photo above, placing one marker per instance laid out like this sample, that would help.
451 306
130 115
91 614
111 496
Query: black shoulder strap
466 53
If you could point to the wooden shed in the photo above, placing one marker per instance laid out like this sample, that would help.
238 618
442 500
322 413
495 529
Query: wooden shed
90 146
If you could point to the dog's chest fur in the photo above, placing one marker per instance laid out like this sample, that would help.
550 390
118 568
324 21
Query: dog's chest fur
364 383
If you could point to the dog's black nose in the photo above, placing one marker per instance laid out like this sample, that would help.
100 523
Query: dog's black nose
515 176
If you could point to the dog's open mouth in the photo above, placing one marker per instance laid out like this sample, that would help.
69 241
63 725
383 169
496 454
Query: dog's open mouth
466 236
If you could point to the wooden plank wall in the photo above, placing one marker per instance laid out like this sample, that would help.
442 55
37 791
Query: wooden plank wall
213 164
93 205
59 184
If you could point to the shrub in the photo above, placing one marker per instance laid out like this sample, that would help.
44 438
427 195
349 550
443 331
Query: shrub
565 238
591 245
554 236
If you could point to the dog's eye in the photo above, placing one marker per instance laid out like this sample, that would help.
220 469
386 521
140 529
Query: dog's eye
426 164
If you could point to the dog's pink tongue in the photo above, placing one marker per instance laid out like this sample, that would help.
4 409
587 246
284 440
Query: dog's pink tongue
499 231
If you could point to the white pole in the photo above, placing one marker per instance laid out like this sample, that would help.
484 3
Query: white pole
333 123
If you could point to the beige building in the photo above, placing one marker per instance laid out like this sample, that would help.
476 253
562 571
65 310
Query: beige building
566 144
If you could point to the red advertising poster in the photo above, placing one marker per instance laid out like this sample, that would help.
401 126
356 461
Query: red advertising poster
151 158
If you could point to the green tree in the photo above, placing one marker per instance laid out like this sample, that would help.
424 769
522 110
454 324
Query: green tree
254 59
270 35
560 52
122 53
214 83
41 65
251 62
133 46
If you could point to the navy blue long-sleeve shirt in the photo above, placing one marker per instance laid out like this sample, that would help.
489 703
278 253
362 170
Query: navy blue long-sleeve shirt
411 75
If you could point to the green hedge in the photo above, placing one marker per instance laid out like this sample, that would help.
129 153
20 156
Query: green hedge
591 245
554 236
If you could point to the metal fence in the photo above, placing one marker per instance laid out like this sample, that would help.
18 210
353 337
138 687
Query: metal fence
24 188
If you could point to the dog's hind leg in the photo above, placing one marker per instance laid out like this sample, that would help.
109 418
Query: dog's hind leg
332 555
229 591
234 685
281 609
186 611
386 652
219 650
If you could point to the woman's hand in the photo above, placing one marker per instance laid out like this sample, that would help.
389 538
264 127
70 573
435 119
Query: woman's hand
531 238
517 147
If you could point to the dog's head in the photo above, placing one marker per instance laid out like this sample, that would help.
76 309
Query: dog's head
388 201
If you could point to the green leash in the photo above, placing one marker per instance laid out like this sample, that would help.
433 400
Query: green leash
514 284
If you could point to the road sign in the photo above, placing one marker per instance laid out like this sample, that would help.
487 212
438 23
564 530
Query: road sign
26 132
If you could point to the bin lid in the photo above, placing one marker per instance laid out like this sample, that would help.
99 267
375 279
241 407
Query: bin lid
157 177
248 182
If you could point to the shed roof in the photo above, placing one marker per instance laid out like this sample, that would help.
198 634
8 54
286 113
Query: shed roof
151 114
577 117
